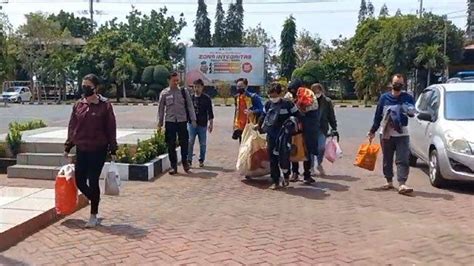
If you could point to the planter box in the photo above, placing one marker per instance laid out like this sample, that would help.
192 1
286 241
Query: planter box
141 172
5 163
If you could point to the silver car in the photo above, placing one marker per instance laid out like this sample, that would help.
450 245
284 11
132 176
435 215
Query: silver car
442 133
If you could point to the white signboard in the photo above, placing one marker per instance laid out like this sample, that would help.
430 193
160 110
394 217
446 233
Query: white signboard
213 65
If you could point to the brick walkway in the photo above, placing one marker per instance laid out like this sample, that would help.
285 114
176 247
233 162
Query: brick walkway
213 217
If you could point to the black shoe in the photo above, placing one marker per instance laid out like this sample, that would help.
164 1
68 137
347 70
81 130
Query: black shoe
294 177
190 163
186 166
173 171
309 180
201 164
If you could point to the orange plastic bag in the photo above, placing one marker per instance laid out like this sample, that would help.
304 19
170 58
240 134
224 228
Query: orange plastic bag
298 148
367 156
66 191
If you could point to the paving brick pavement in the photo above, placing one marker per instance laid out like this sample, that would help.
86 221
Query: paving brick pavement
213 217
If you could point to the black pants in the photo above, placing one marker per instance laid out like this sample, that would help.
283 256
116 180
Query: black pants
275 172
179 129
306 166
88 168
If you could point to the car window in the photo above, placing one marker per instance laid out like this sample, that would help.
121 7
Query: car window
424 100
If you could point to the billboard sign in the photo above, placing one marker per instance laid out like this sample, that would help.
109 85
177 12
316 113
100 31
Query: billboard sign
214 65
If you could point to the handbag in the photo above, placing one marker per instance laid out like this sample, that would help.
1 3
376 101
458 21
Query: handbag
298 148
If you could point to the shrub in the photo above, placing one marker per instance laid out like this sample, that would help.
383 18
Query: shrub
146 151
124 154
3 150
30 125
14 141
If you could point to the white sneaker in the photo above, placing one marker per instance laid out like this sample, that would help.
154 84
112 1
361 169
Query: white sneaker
93 221
321 170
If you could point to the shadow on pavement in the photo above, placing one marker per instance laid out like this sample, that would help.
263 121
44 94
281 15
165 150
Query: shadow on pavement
8 261
332 186
128 231
195 174
309 192
218 169
432 195
261 183
462 187
340 178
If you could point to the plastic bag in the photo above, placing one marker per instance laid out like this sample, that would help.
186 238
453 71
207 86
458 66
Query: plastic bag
112 181
367 156
298 148
332 151
65 190
253 159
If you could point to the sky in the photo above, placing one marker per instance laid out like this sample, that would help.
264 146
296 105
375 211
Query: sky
327 18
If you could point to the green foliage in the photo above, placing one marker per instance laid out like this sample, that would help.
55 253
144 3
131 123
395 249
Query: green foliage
287 48
311 72
202 26
234 25
218 39
258 37
79 27
145 151
14 141
384 11
30 125
147 76
160 75
3 150
363 11
308 47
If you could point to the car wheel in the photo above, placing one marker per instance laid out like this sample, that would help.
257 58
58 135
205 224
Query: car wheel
18 100
436 178
412 160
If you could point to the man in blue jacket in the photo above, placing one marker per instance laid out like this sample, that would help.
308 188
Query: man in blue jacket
391 117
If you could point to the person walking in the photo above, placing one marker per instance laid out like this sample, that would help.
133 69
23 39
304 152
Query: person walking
202 104
175 110
276 111
247 105
92 130
391 116
327 117
310 122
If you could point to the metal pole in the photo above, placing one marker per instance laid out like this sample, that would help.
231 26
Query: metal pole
91 11
421 8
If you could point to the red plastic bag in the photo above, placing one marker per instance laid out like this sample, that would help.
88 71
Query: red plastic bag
66 191
305 97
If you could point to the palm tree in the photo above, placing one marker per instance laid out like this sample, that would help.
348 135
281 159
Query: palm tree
431 58
123 71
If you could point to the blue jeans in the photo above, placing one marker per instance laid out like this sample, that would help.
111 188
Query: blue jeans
321 147
201 133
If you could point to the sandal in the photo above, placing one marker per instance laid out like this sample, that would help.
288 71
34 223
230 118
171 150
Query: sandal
388 186
404 190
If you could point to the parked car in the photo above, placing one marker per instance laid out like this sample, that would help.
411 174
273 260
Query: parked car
442 132
458 80
17 94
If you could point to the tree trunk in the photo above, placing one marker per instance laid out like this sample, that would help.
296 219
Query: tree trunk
429 78
124 91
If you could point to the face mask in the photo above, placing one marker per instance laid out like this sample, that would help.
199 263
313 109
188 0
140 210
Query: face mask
240 90
88 91
397 86
275 99
318 95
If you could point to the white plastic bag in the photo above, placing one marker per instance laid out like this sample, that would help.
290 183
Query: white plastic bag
253 159
338 150
332 151
112 181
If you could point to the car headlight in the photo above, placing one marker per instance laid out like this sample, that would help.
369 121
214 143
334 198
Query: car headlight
456 143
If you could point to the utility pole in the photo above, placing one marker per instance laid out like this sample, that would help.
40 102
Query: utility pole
91 12
421 8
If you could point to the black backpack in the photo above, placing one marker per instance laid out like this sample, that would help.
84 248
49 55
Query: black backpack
271 117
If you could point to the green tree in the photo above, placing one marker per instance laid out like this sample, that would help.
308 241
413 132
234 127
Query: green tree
308 47
311 72
202 26
384 11
7 49
124 70
431 58
362 11
258 37
218 39
79 27
370 9
234 24
398 13
287 48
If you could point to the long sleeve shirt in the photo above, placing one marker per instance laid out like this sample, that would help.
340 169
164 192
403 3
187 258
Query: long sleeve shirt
172 106
387 100
92 127
203 108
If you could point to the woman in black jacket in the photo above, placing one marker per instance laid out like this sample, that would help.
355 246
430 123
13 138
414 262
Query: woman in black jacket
327 117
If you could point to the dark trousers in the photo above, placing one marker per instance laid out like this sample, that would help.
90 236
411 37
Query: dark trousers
398 147
180 130
87 169
275 172
306 167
